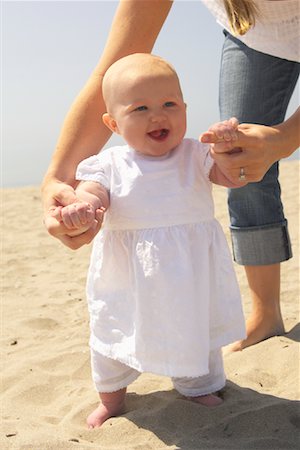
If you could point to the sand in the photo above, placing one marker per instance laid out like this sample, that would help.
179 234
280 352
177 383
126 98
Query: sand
46 385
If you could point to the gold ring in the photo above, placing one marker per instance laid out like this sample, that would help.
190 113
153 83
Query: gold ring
242 176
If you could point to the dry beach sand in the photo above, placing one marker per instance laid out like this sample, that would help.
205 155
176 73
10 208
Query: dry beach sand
46 386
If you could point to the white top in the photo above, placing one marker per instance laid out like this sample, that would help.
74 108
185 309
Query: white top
276 31
161 287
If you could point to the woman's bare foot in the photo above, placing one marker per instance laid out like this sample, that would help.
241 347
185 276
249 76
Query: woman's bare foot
258 329
265 320
112 404
207 400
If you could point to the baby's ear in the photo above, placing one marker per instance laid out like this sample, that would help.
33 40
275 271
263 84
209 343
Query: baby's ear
110 122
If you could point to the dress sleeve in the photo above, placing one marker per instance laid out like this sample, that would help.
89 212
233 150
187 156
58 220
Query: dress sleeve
204 157
95 168
208 161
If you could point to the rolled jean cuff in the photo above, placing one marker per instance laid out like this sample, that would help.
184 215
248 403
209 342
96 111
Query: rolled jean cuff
261 245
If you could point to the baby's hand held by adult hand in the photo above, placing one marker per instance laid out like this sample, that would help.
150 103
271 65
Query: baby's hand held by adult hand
78 215
73 240
225 132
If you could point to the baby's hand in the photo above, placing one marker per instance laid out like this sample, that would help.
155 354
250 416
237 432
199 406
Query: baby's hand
221 131
77 217
54 222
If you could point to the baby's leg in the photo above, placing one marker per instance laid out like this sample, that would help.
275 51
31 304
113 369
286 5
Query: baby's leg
111 379
203 389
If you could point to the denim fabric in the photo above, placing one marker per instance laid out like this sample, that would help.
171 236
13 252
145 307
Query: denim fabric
256 88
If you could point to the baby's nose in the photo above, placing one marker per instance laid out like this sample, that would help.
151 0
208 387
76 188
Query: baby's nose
158 116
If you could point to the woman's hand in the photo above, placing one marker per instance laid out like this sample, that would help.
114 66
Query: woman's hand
250 154
59 230
57 194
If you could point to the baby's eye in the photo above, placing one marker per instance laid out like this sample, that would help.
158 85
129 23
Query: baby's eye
169 104
141 108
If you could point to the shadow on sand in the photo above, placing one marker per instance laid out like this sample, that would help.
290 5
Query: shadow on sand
246 420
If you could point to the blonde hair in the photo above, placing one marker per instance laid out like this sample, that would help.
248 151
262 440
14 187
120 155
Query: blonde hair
241 15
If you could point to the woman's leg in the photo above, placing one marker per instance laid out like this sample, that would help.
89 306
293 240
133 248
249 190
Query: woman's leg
265 320
256 88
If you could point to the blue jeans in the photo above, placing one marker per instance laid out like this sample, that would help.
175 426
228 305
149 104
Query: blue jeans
256 88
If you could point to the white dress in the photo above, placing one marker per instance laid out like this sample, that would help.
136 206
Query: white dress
161 288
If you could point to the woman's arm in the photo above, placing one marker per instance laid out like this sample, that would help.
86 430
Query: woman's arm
135 28
280 140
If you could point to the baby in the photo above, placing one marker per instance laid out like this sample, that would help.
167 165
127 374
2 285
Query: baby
161 288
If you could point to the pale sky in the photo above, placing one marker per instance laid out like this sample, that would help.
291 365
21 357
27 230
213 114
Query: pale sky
49 49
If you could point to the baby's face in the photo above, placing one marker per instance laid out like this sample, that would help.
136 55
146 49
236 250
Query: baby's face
150 113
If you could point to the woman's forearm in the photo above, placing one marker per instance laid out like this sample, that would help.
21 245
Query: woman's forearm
135 28
289 133
83 133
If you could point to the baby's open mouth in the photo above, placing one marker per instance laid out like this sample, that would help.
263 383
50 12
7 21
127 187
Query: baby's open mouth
159 135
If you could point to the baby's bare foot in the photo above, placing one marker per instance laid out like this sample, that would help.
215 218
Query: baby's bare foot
207 400
112 405
100 415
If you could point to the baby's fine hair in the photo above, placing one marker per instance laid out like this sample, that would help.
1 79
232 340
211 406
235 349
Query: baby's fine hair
139 61
136 63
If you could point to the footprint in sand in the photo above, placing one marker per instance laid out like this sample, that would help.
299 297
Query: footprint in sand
41 324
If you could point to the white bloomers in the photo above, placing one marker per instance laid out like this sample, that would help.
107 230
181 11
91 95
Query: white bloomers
111 375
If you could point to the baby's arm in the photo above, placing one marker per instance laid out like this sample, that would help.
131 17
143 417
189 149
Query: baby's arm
223 134
79 216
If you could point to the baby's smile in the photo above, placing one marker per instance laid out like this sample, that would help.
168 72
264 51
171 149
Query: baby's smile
159 135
